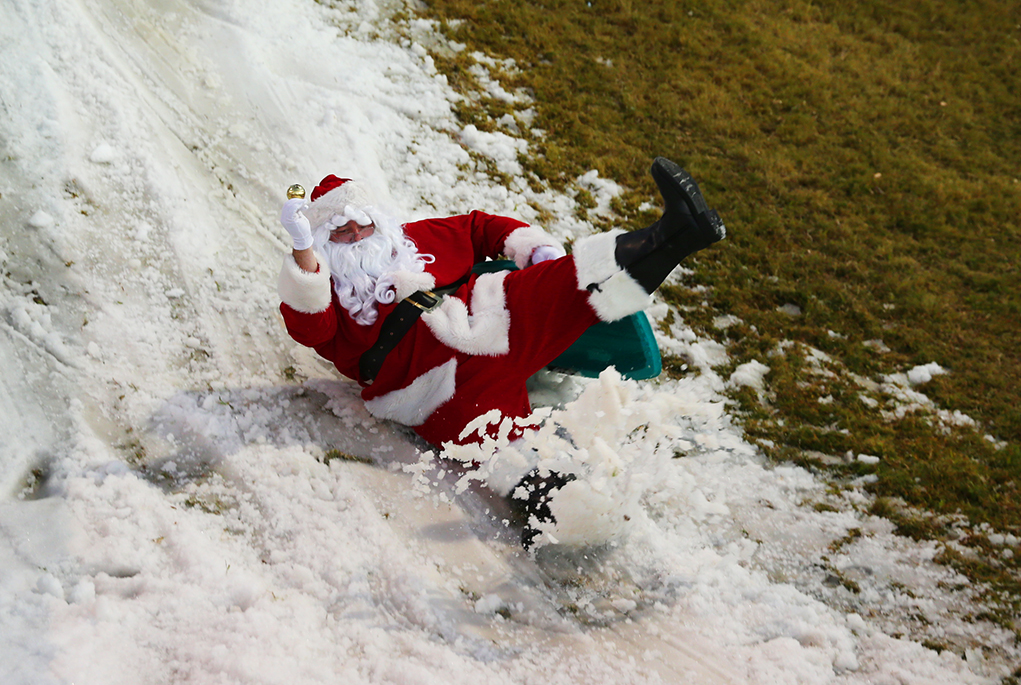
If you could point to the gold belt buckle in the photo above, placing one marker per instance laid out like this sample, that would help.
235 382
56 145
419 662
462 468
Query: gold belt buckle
427 306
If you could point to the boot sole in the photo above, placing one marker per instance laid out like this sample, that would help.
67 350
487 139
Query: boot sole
706 218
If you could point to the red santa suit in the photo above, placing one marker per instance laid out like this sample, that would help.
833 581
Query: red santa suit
474 352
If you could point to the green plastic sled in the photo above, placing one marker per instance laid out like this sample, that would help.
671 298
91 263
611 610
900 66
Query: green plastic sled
627 344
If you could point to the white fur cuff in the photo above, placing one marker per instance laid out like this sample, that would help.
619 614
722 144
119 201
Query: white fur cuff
618 296
302 291
409 282
522 241
486 331
594 258
414 404
612 291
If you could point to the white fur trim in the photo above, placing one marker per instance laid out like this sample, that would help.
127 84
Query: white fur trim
414 404
303 291
613 293
594 258
351 193
618 296
408 282
486 331
522 241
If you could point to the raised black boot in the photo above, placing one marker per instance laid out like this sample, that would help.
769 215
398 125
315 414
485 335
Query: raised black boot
687 226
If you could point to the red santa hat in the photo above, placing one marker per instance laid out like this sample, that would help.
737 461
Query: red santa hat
332 195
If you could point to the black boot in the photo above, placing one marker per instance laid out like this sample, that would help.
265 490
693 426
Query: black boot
540 491
687 226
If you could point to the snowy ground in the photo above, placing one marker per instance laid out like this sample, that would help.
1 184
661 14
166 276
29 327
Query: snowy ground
166 514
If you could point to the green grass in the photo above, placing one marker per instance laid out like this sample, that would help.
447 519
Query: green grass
866 158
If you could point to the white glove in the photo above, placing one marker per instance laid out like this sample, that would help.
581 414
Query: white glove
544 253
296 224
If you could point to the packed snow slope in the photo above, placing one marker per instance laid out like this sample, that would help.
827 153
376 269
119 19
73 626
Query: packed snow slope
169 511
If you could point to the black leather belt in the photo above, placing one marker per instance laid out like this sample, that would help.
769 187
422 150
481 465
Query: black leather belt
397 324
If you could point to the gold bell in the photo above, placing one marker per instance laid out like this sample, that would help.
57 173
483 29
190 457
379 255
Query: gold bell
295 191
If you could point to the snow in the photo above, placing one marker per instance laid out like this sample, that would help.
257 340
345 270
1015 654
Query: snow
923 373
750 375
170 509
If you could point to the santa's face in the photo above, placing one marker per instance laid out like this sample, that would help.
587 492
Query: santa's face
351 232
356 251
363 250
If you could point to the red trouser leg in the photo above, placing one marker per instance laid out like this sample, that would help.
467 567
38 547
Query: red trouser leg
547 315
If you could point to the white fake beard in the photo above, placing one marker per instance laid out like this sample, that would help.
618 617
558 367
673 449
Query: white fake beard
362 271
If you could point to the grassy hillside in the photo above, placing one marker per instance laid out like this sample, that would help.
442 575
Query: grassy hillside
866 158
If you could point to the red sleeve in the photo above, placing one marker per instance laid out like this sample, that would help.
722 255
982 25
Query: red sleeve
310 330
489 233
460 242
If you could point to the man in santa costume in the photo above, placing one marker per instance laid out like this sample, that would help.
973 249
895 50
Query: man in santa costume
362 290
